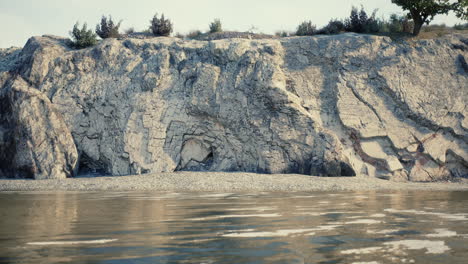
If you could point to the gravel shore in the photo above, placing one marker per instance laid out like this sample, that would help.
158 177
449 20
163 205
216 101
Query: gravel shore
222 182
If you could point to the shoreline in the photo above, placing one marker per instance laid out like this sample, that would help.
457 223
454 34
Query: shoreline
224 182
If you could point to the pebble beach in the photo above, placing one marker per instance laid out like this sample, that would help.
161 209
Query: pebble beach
223 182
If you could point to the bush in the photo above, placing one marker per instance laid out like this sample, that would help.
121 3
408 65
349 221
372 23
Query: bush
353 24
130 30
435 27
383 25
216 26
335 26
306 29
360 22
194 34
282 34
82 38
160 26
460 26
407 25
107 28
372 26
395 24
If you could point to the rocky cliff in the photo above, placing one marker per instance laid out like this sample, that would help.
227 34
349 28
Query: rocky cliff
327 105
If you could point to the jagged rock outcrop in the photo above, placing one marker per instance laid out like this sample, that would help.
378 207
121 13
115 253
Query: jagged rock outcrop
35 142
327 105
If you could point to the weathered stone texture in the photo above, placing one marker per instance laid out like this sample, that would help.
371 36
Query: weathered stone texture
36 143
327 105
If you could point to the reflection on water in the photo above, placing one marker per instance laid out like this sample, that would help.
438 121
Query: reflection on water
318 227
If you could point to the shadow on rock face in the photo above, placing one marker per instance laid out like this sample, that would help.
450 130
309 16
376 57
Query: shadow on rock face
88 166
463 65
346 169
331 168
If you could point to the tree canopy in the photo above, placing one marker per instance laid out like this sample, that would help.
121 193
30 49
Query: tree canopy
424 11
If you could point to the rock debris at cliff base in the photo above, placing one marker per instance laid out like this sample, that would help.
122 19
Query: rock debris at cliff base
341 105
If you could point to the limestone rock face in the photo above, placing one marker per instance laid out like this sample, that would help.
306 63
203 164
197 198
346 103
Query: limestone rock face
341 105
35 143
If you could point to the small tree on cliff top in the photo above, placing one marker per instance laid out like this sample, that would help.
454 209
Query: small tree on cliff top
216 26
160 26
306 28
360 22
82 38
424 11
107 28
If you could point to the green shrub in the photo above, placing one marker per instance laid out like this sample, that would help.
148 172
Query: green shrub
360 22
395 24
82 38
130 30
306 28
282 34
194 34
107 28
216 26
383 25
353 24
335 26
372 26
407 25
435 27
461 26
160 26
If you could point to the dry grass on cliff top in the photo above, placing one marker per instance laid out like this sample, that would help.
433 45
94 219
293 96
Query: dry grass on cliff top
427 33
430 34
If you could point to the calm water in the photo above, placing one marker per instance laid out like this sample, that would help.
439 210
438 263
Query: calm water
317 227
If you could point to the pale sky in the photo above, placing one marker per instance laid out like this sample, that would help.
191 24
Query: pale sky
21 19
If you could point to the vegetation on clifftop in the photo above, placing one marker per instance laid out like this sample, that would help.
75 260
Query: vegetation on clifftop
82 38
107 28
423 11
216 26
306 28
359 21
161 26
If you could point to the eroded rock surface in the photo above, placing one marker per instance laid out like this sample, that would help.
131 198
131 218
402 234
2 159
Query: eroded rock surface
36 143
327 105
